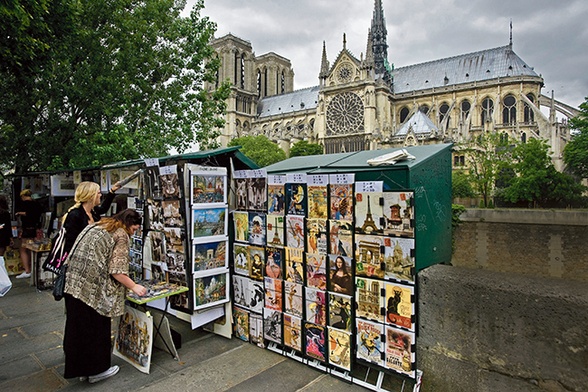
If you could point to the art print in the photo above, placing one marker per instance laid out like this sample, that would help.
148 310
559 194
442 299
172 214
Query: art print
272 325
174 239
295 236
315 341
210 290
399 351
293 332
316 270
155 239
339 348
151 184
241 226
241 193
369 256
208 188
256 329
276 199
241 259
399 258
369 299
273 293
274 259
340 275
369 342
293 299
275 230
241 324
340 311
369 213
241 291
296 201
209 222
155 218
134 338
400 307
168 178
399 214
316 236
175 262
181 301
294 265
257 194
340 238
209 256
257 261
256 228
256 296
317 202
341 202
316 306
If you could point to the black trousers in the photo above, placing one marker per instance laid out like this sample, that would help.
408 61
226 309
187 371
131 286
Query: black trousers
87 342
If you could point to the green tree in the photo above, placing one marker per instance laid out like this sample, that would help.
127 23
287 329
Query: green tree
259 149
461 185
122 80
536 181
304 148
576 151
486 156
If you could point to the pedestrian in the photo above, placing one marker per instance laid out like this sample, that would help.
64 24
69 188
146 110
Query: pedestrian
30 218
95 286
86 210
5 227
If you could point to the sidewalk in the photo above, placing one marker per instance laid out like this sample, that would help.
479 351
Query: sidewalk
31 357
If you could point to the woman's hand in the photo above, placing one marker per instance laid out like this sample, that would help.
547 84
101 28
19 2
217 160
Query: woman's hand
139 290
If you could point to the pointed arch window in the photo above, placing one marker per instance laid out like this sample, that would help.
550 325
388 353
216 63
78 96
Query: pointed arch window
529 115
283 83
403 114
444 113
524 137
258 83
487 110
424 109
465 110
509 110
242 67
265 75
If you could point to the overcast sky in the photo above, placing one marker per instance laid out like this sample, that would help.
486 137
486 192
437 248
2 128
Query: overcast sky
550 36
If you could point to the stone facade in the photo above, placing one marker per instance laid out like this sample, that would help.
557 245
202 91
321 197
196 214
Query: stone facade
365 103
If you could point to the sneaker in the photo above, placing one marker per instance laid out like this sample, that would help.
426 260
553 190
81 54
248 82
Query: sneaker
104 375
24 275
83 378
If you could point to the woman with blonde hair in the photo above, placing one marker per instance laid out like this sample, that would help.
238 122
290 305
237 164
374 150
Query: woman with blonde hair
96 283
87 210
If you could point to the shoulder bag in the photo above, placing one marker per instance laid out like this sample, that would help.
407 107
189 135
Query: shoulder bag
57 255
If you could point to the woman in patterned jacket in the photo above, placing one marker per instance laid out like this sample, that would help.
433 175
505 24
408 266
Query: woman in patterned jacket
95 286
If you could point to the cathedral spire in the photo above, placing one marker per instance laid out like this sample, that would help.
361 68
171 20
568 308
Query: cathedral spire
379 40
324 63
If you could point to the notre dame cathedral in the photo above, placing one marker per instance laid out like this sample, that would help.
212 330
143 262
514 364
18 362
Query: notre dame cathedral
366 103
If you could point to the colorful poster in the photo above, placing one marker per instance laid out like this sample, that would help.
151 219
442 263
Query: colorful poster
296 200
256 228
315 341
316 270
134 339
209 256
369 256
341 238
339 348
400 308
293 298
294 265
241 258
273 293
276 199
295 231
274 260
317 201
316 237
399 214
208 222
209 186
341 202
241 324
399 258
257 260
369 342
400 351
316 306
275 230
369 299
340 311
210 290
340 275
293 332
241 225
369 212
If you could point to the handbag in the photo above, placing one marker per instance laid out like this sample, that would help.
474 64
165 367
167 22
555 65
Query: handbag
5 282
57 255
59 283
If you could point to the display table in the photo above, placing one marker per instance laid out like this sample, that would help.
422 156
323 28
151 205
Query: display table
42 280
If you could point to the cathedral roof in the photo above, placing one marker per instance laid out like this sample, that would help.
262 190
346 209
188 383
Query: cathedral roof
420 123
295 101
467 68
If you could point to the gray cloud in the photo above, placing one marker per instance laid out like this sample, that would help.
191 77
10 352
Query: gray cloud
549 36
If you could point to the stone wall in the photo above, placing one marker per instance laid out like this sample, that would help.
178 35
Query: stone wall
511 312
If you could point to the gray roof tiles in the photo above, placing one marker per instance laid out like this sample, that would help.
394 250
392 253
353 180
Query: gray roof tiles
295 101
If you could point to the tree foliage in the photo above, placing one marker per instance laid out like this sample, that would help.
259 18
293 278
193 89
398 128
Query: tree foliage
98 81
461 185
536 181
486 156
576 151
259 149
304 148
